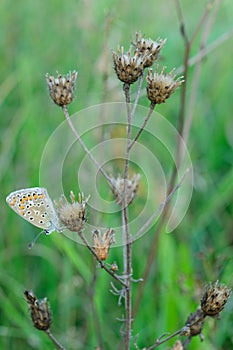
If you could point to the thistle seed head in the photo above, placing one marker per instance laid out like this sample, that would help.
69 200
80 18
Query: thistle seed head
161 86
148 49
61 88
214 299
40 311
128 67
130 190
72 215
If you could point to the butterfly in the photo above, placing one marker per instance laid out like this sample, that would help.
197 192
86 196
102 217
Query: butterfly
35 206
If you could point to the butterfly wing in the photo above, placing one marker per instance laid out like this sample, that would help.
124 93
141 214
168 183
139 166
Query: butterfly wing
35 206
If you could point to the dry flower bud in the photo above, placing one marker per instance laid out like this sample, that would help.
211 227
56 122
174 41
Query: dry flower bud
195 322
128 68
114 267
161 86
101 244
214 298
130 191
148 49
40 311
61 88
72 215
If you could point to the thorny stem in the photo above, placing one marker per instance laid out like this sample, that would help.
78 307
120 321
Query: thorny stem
102 265
153 248
128 243
78 137
152 106
54 340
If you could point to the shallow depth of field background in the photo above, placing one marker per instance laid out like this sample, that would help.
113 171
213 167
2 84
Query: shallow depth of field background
38 37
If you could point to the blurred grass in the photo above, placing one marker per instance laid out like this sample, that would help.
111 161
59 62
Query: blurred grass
39 37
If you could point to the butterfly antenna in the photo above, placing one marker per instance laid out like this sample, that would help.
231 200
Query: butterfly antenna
30 245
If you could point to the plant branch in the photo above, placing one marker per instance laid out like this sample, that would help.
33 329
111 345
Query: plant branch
54 340
128 250
102 265
152 106
161 223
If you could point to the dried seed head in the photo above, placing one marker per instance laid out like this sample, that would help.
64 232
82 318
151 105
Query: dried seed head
161 86
61 88
40 311
195 322
130 190
214 298
72 215
128 68
148 49
101 244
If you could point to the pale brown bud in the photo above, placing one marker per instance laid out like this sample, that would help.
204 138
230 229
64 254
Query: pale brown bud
214 299
130 190
40 311
61 88
128 68
161 86
102 243
72 215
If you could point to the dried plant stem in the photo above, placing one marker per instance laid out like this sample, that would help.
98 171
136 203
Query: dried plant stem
154 244
126 230
78 137
181 331
102 265
54 340
152 106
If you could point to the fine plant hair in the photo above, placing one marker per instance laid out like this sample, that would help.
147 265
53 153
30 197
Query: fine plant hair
134 67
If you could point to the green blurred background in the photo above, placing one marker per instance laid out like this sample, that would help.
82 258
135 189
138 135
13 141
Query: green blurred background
45 36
